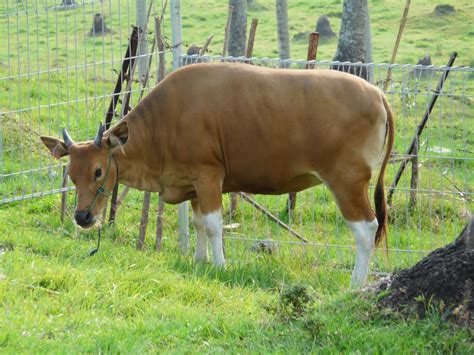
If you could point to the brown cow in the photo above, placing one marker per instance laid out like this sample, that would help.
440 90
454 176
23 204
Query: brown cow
213 128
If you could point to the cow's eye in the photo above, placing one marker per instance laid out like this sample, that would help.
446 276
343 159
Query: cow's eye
98 173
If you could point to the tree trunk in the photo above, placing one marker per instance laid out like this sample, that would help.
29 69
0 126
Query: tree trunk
238 28
445 278
282 23
354 37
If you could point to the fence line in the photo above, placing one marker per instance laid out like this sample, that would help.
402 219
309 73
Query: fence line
54 75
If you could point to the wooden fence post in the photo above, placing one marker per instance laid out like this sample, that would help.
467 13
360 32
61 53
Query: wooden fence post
312 53
125 73
143 221
312 49
203 50
251 40
161 75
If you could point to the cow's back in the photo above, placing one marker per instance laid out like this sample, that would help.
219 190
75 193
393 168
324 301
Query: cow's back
264 126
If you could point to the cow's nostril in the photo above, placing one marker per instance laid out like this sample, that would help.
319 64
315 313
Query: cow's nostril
83 218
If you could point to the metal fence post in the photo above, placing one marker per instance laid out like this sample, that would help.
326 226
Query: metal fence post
142 49
175 8
183 222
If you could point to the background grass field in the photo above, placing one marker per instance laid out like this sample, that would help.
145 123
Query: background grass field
54 299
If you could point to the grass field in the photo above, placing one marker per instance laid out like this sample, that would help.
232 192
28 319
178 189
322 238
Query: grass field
54 299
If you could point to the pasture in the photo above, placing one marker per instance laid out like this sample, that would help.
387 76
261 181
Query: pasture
54 299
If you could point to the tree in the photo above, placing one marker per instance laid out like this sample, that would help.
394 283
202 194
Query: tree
238 28
282 23
355 44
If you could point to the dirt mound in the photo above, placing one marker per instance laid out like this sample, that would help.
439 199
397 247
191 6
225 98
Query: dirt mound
421 71
443 10
444 279
98 26
324 27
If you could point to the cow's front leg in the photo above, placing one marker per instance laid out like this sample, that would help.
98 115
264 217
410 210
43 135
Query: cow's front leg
213 226
200 254
209 193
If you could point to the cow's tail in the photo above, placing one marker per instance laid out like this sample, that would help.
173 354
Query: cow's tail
379 194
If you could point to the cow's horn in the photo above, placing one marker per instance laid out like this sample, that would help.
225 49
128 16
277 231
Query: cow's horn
67 138
100 133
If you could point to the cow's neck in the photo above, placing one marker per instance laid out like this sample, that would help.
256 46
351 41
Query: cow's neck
139 161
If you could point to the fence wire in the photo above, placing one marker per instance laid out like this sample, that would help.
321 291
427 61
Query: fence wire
55 73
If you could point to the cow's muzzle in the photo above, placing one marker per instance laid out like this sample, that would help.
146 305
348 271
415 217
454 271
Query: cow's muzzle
84 218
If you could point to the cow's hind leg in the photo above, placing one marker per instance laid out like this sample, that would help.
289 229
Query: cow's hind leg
201 254
354 204
209 192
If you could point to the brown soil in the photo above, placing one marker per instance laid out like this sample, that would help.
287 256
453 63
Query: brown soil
445 278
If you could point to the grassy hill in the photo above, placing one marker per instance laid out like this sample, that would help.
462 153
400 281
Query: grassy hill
424 32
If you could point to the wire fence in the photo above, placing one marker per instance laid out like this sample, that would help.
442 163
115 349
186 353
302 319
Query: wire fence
58 69
55 73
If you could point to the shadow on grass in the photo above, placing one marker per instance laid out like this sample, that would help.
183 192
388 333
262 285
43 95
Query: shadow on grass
265 272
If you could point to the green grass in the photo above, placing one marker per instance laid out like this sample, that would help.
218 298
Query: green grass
53 299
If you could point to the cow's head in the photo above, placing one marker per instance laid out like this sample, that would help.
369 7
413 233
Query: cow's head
93 168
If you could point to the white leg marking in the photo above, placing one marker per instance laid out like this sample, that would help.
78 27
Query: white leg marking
364 233
213 227
200 254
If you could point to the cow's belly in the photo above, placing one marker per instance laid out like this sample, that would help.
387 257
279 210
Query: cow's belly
272 185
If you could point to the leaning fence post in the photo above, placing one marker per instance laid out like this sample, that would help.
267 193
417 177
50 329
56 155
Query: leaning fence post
251 40
397 43
161 49
143 221
126 68
159 223
272 217
203 50
420 127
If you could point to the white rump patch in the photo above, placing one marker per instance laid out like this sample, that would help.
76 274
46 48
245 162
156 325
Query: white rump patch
374 146
213 228
364 233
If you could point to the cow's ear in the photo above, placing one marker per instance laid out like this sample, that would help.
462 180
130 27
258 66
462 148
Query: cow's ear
57 147
118 135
